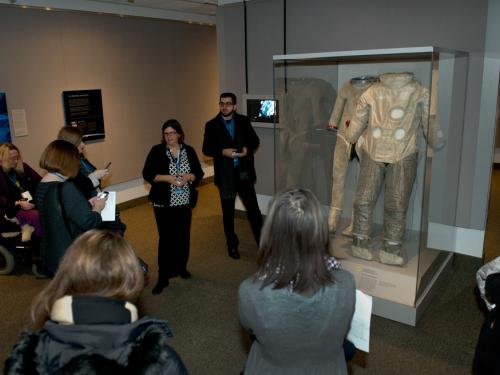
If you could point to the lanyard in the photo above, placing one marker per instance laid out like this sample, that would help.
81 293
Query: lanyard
58 175
177 161
86 166
13 177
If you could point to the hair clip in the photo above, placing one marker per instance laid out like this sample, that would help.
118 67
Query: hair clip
296 206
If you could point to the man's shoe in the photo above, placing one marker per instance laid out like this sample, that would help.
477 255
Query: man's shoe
160 285
185 274
233 253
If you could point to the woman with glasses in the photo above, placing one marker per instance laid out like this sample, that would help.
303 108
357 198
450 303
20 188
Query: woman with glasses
88 179
173 170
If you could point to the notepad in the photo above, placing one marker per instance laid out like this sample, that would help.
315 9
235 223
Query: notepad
109 211
359 334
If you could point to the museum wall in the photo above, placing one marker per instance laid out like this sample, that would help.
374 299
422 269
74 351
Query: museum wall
487 118
338 25
148 71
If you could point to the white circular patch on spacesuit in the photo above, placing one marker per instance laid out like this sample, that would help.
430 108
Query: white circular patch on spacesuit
397 113
359 143
377 133
399 134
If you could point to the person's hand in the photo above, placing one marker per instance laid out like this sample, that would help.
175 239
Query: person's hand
180 180
100 173
229 152
187 177
332 126
98 203
244 152
172 179
25 205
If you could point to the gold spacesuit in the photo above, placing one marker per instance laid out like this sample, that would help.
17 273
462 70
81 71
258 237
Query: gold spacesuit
388 115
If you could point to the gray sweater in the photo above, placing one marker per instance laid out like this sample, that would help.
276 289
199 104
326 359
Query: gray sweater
297 334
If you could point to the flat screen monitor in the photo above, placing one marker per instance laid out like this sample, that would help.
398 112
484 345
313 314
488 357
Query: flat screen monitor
263 110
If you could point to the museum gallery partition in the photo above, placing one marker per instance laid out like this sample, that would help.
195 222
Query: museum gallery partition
354 125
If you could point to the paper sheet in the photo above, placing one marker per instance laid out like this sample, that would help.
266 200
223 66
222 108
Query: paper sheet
359 334
108 213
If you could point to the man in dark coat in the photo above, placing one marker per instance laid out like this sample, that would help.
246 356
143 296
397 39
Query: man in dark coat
231 141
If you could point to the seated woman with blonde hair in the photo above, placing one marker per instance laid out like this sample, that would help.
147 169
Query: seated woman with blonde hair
84 321
18 183
299 304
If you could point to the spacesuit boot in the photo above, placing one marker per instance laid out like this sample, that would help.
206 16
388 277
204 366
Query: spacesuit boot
392 254
361 248
333 219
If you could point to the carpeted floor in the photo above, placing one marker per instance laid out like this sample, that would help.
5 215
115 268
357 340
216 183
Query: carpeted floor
203 312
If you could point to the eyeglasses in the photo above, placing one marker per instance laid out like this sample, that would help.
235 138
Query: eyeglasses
225 104
170 133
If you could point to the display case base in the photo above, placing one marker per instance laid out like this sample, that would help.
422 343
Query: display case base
410 315
400 293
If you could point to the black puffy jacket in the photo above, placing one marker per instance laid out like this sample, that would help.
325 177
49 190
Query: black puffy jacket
132 348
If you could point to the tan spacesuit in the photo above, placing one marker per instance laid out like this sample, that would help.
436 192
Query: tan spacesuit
304 108
343 111
391 111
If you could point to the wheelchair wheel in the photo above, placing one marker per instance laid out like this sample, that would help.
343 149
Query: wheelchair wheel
39 271
7 261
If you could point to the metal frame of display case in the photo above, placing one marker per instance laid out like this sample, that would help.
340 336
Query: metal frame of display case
400 293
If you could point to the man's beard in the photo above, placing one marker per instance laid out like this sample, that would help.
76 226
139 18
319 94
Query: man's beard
229 114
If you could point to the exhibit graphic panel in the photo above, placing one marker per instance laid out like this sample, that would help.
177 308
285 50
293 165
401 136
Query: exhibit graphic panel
83 109
377 136
4 120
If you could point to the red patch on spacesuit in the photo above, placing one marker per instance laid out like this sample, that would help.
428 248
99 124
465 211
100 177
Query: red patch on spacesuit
347 123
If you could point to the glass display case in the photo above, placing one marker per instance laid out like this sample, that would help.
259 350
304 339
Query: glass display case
312 91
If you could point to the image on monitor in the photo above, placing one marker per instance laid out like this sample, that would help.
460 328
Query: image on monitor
262 110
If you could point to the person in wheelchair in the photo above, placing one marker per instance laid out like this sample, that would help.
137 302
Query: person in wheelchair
18 183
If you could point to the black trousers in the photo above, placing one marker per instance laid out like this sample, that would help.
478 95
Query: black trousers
174 230
246 191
